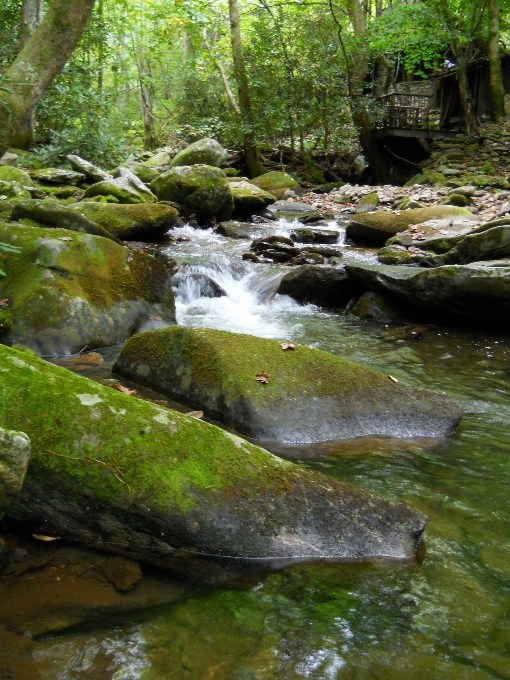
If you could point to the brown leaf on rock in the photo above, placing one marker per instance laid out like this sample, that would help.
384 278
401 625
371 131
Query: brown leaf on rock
158 318
46 539
262 377
393 379
4 303
125 390
196 414
287 345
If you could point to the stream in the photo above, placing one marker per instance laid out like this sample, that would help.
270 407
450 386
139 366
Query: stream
448 617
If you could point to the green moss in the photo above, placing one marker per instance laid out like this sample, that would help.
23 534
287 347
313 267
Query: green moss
10 174
164 457
6 321
389 221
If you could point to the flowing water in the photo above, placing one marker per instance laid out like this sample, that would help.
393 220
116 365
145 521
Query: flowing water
446 618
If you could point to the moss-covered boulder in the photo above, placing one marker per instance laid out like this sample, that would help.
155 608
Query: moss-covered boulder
128 476
10 174
376 228
14 458
396 254
367 203
91 172
54 214
203 152
277 183
308 395
249 198
323 285
437 235
57 176
130 222
13 190
489 244
162 159
240 230
126 188
68 290
476 291
201 190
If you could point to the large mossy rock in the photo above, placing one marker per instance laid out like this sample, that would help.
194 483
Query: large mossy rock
311 395
10 174
130 222
14 458
376 228
277 183
249 198
127 476
53 214
203 152
142 171
479 291
68 290
127 188
201 190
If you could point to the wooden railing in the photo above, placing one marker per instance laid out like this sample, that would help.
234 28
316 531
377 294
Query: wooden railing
404 111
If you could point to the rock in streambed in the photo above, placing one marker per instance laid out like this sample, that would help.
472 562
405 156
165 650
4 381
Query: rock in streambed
67 290
14 457
310 395
130 477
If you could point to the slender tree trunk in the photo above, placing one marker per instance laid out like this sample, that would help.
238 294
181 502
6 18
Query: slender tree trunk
496 77
40 61
466 99
222 72
250 148
31 17
147 101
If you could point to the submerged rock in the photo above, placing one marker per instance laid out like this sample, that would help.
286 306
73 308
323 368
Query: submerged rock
324 285
201 190
14 459
478 291
376 228
130 477
68 290
377 307
126 188
277 183
130 222
203 152
310 395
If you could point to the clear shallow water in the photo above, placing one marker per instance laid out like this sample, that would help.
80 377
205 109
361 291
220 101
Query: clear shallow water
448 618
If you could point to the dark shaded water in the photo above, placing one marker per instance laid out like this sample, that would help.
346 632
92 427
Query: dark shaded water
448 618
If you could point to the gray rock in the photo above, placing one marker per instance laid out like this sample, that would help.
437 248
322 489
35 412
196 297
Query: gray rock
126 188
324 285
314 235
14 459
367 203
277 183
308 396
473 291
203 152
437 235
91 172
249 198
377 307
490 244
159 160
9 159
57 176
142 171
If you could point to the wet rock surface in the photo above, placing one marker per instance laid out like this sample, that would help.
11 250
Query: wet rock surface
186 492
310 395
14 459
325 285
68 290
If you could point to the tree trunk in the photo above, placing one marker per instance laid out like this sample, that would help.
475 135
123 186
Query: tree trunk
40 61
250 148
496 77
146 99
31 17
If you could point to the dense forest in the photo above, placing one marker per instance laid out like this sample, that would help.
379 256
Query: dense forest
254 348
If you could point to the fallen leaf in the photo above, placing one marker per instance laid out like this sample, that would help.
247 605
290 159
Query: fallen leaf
196 414
65 238
47 539
4 303
393 379
161 402
287 345
124 390
262 377
158 318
